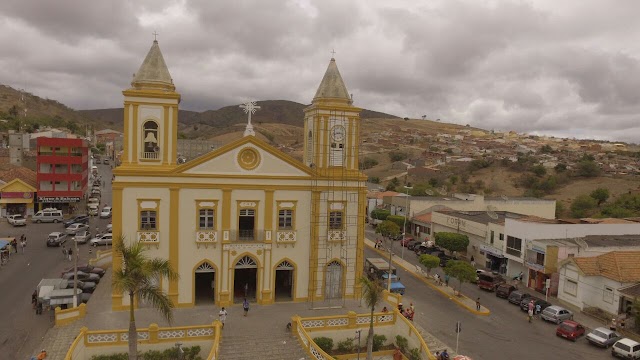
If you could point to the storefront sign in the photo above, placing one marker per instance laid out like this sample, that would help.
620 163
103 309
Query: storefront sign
534 266
537 249
491 250
58 199
16 195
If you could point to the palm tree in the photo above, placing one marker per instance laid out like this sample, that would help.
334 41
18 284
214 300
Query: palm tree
138 277
372 295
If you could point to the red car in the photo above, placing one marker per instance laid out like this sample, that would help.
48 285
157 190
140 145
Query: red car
405 242
570 330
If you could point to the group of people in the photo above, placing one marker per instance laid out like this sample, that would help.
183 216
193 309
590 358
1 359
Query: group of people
408 312
378 244
67 253
444 355
533 309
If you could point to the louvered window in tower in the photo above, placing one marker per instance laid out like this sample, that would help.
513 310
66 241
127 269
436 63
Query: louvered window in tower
337 154
310 148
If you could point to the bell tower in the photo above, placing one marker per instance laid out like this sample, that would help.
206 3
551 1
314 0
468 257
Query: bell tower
331 126
151 115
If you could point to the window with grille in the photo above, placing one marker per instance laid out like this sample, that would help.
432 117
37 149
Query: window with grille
206 219
285 219
335 220
148 220
514 246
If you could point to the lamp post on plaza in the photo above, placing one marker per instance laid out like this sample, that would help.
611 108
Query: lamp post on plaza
406 213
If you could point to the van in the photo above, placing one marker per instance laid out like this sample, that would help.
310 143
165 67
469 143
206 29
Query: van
626 349
47 215
489 281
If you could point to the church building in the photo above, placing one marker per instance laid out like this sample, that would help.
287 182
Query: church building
246 219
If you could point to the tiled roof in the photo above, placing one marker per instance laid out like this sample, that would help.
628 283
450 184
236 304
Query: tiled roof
22 173
425 218
380 195
622 266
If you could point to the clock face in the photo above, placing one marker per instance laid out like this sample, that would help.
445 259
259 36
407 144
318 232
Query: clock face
337 133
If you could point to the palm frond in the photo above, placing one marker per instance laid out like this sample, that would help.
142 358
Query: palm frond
371 291
158 299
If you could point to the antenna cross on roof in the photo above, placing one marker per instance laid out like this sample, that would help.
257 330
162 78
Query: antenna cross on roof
333 52
155 36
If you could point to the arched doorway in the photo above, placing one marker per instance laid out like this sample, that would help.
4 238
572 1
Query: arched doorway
205 280
245 279
284 281
333 280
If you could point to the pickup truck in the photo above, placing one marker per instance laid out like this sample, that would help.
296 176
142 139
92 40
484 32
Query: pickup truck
16 220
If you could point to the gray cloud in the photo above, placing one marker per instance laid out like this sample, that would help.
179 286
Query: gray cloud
570 68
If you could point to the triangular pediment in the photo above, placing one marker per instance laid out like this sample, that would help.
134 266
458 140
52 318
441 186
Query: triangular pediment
17 185
247 156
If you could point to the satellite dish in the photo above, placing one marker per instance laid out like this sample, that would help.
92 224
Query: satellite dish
443 190
504 197
429 192
491 212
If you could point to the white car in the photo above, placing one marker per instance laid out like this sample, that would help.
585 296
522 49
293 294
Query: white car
16 220
106 212
75 228
103 239
82 236
93 210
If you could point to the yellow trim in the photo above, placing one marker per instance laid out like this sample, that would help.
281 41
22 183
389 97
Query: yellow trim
174 239
215 214
226 211
343 275
248 158
116 261
24 188
294 286
134 137
125 139
293 215
165 145
174 148
343 216
232 275
268 209
230 187
215 279
314 243
78 312
155 94
156 210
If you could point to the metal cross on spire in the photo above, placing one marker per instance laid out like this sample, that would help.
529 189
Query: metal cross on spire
249 108
333 53
155 35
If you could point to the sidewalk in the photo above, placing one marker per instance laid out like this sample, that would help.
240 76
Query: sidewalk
416 271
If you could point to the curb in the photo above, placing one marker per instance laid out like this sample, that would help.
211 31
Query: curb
457 301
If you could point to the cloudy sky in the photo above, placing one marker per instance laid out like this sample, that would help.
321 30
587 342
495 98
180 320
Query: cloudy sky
567 68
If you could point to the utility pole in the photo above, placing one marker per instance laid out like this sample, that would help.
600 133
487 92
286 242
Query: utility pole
406 213
75 274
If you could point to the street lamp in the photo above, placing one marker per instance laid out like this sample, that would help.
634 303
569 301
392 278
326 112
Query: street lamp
75 273
406 213
358 332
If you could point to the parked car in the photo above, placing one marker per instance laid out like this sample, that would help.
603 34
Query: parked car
603 337
56 239
490 281
93 201
89 269
571 330
412 244
102 239
47 215
105 161
405 242
16 220
82 276
96 161
524 304
425 249
78 219
504 290
556 314
626 349
85 286
106 212
517 296
93 210
75 228
82 236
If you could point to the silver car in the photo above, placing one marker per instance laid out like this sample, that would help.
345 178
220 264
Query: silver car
102 239
82 237
603 337
75 228
82 276
556 314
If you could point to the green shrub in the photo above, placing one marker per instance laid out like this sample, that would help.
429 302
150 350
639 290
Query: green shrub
378 341
325 343
414 354
346 345
190 353
402 343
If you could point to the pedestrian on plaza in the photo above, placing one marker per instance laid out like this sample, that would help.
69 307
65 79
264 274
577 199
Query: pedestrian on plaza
222 316
42 355
245 306
400 308
437 355
478 304
473 261
64 251
413 308
444 355
14 243
612 326
39 308
397 355
34 299
23 244
538 309
246 289
385 310
446 279
70 253
530 310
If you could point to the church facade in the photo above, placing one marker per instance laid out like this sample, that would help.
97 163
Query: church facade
244 220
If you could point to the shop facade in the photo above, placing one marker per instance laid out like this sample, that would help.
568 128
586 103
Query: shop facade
17 197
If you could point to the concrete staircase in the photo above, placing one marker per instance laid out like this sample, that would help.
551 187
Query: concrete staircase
244 339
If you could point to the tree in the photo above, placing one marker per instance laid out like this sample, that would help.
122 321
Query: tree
138 276
600 195
453 179
546 149
582 205
380 214
397 219
374 180
397 156
539 170
452 241
588 168
388 229
368 163
372 295
460 270
561 167
429 261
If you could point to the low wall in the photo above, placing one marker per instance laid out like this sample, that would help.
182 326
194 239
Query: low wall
90 343
102 257
67 316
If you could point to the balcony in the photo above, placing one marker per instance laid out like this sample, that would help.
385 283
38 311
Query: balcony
150 155
247 235
336 236
149 237
286 237
206 238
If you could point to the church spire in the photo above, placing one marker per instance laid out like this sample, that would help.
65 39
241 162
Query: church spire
153 73
332 87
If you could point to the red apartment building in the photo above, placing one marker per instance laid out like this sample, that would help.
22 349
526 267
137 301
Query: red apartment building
62 172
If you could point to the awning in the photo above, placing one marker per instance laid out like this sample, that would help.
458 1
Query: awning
16 201
3 243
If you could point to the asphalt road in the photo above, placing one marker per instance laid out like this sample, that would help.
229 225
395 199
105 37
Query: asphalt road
21 330
505 334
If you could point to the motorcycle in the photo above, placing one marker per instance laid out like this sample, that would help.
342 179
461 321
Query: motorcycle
519 276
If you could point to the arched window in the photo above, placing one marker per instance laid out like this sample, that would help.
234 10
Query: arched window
150 139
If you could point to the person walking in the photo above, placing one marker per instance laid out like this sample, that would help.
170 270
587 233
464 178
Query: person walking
478 304
245 306
397 355
14 243
530 310
446 279
69 254
23 244
222 316
473 261
64 252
